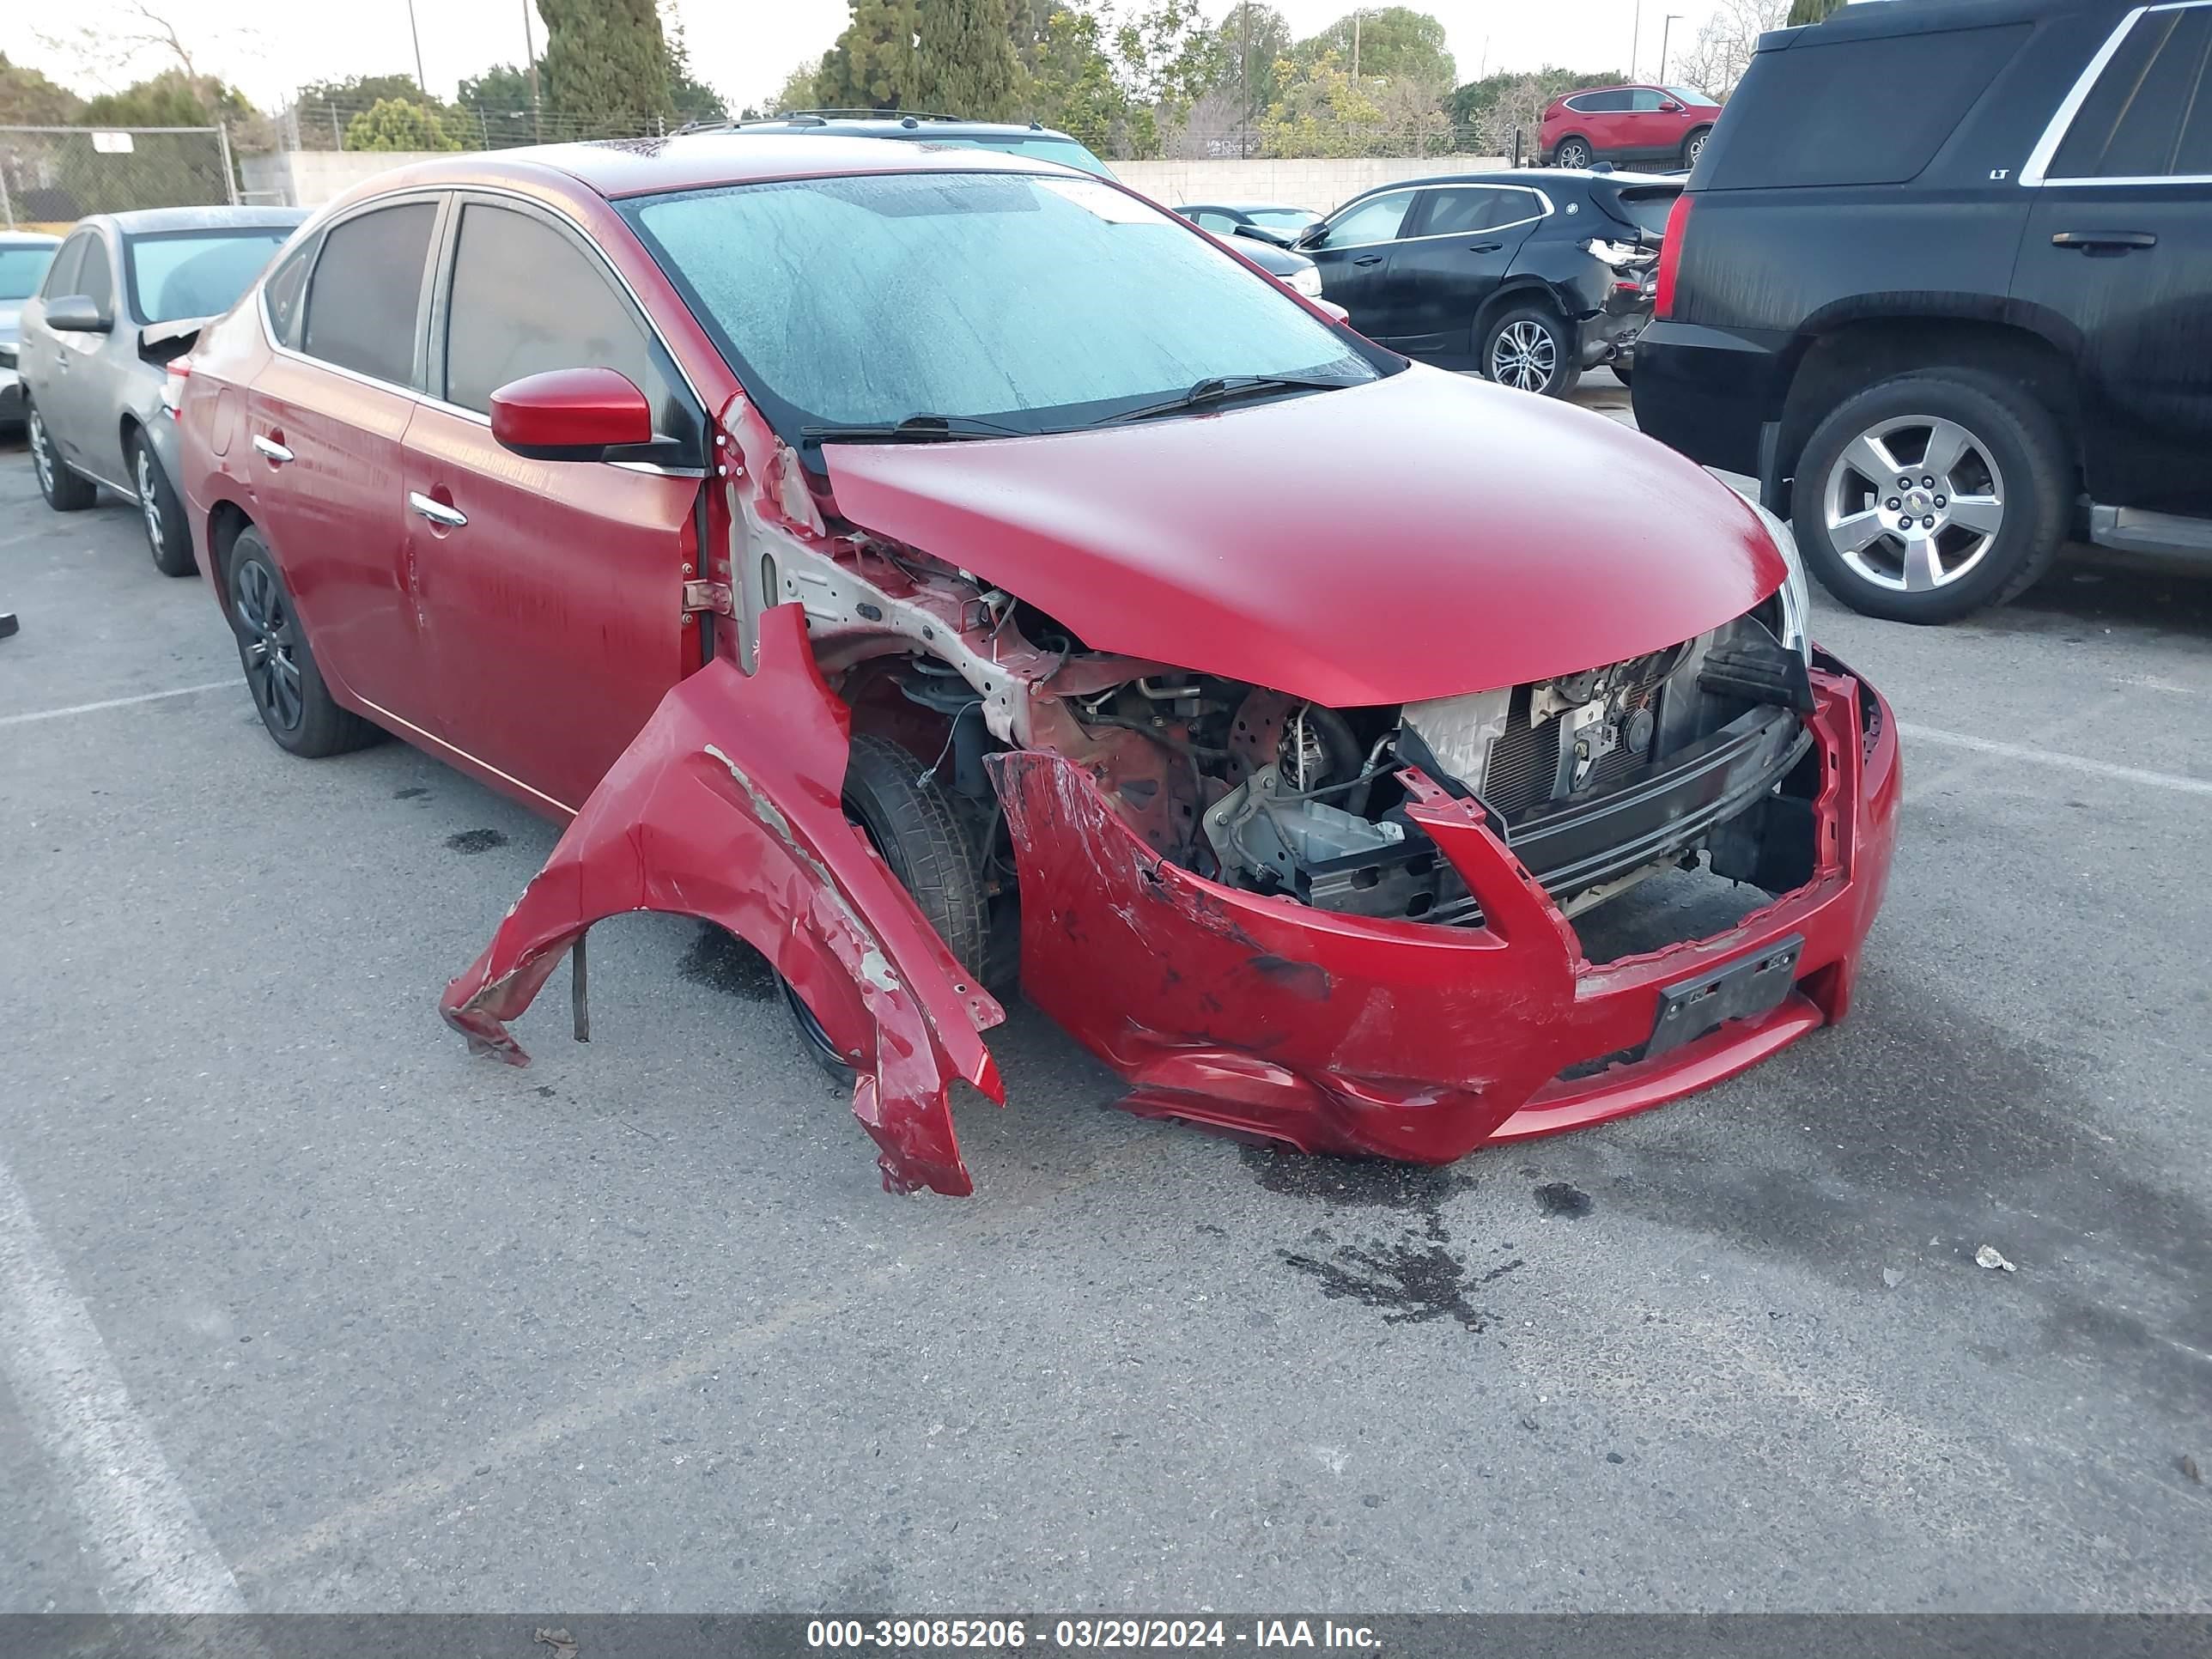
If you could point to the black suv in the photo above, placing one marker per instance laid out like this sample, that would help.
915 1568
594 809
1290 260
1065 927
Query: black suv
1942 280
1528 278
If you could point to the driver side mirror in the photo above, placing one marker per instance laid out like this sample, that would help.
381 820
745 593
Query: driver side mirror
1261 233
76 315
1668 106
570 414
1313 235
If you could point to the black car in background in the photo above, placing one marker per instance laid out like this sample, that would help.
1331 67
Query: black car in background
1227 218
1527 277
1947 327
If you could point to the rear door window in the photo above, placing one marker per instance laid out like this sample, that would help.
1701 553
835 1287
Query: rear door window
2149 115
1600 103
1818 124
365 299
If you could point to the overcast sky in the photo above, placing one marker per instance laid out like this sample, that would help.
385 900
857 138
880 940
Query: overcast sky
744 48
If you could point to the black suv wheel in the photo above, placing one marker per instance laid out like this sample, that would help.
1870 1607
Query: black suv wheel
1928 496
1530 349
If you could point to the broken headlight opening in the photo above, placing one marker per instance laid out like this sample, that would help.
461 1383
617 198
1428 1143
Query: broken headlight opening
1597 779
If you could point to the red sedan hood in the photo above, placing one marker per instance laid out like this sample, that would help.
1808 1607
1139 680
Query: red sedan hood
1422 535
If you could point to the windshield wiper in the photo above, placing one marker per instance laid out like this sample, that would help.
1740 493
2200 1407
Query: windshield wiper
1220 388
915 428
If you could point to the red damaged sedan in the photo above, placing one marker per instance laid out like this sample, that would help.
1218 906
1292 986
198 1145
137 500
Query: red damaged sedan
946 572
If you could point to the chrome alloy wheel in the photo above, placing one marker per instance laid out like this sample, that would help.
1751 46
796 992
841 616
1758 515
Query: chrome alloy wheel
1914 503
1524 356
148 508
42 453
268 635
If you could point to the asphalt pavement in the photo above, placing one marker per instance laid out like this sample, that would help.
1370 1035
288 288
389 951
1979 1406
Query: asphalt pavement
303 1308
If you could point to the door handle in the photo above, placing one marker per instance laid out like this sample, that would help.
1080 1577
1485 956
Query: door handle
1485 248
436 511
275 452
2116 241
1372 259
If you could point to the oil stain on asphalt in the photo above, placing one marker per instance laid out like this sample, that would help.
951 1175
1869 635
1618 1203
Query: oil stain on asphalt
475 841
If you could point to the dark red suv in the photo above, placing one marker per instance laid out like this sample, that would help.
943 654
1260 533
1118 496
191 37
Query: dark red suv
943 569
1653 125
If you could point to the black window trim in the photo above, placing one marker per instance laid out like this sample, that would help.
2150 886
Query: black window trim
85 234
310 250
446 247
441 199
109 251
2035 175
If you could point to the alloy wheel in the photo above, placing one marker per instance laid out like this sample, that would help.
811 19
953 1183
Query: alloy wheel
148 508
1697 149
1525 356
42 457
1573 155
1914 503
269 636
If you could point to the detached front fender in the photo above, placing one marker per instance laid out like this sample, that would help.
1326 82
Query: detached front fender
727 807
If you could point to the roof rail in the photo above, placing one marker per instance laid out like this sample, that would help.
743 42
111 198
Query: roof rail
861 114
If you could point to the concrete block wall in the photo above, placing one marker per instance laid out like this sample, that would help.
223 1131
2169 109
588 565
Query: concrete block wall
309 178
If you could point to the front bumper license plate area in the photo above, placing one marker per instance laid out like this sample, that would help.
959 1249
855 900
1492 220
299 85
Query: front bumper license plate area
1742 990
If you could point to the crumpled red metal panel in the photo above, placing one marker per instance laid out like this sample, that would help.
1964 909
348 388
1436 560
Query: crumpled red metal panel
727 807
1339 1034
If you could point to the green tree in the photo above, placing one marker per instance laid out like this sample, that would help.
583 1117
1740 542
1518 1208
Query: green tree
28 99
606 66
496 106
1393 40
1071 85
965 62
1812 11
1322 111
171 99
395 124
872 64
359 91
1486 114
1252 40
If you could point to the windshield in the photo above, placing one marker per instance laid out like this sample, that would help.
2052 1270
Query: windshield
1042 147
21 268
1035 303
197 273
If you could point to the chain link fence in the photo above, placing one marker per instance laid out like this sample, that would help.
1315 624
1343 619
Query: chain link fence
324 124
50 177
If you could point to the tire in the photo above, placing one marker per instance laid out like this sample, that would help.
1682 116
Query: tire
1993 447
65 492
288 690
1572 153
1622 371
168 537
1530 349
913 824
1694 146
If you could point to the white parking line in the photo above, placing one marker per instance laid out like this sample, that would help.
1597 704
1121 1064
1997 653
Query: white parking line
157 1556
2173 781
113 702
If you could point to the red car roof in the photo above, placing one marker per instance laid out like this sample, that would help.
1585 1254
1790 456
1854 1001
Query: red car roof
642 167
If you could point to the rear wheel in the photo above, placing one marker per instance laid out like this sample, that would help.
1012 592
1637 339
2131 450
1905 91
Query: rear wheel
1696 147
1530 349
1573 153
1928 497
1621 371
912 823
169 538
65 492
288 690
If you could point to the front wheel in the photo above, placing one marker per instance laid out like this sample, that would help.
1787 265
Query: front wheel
288 689
1529 349
65 492
1928 497
168 537
912 823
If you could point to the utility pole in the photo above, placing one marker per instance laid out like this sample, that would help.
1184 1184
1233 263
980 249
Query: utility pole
422 85
1244 78
1355 41
1635 37
1665 33
530 57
